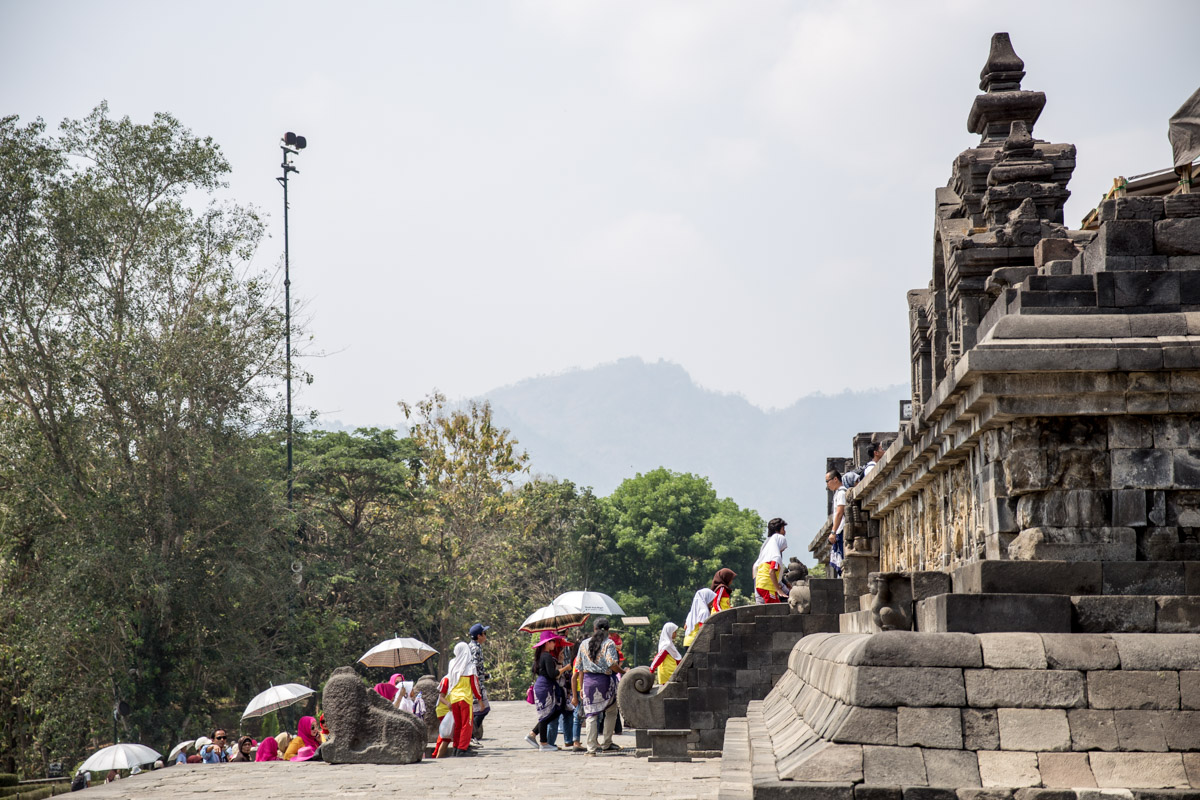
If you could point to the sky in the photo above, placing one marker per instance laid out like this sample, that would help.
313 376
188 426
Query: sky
498 190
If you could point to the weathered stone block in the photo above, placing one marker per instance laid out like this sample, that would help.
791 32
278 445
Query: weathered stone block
1138 770
1114 614
1075 544
1143 288
1142 469
1130 433
1066 770
1034 729
1124 238
929 727
928 583
893 766
1013 650
1177 237
994 793
911 649
1048 250
1129 508
1028 577
1178 614
1191 761
1162 651
1000 768
995 613
1092 729
1063 509
981 729
1140 731
828 763
1013 688
951 768
1189 688
1157 543
1144 578
1135 689
1182 205
1182 729
916 686
1123 208
864 791
929 793
867 726
1083 651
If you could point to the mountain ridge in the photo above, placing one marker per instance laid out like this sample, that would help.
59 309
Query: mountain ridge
601 425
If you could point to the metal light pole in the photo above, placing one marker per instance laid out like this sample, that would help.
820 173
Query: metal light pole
292 145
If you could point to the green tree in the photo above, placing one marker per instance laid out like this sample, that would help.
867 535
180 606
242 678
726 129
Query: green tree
463 510
673 533
350 553
136 349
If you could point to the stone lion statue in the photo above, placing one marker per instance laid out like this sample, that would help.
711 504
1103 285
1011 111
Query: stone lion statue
364 728
799 597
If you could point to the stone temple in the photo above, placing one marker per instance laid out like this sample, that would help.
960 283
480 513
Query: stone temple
1019 615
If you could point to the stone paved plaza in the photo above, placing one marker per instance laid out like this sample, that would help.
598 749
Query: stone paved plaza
506 767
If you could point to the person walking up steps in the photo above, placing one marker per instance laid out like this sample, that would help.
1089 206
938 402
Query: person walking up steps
698 614
769 564
668 657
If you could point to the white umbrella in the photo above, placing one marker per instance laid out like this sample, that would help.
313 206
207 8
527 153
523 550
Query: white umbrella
181 746
120 756
590 602
553 618
398 652
275 698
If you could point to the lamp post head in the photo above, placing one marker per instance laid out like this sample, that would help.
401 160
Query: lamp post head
294 141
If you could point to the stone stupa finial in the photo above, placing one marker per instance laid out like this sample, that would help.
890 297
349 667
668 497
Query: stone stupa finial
1003 100
1004 68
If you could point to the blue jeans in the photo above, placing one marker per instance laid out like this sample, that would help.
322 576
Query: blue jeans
569 723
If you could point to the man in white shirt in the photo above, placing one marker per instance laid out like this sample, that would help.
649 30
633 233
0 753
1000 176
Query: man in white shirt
833 481
876 454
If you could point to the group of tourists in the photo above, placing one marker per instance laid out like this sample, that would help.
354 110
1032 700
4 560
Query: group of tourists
575 683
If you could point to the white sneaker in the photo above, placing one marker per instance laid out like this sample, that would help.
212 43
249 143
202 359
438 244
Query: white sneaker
532 742
547 748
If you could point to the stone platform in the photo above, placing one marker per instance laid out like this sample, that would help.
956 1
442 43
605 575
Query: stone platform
505 768
1004 711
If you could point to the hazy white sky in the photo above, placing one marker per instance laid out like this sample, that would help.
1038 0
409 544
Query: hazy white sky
498 190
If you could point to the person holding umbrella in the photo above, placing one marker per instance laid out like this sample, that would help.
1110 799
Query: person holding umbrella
549 698
598 661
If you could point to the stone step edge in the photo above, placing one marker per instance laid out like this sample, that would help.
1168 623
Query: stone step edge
735 778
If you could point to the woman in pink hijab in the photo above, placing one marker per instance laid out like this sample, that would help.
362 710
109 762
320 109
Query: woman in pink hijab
388 690
307 733
268 750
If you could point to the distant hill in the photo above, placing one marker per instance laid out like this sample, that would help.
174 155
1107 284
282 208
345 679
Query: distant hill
602 425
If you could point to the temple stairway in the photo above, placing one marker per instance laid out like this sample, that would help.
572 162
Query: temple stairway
736 658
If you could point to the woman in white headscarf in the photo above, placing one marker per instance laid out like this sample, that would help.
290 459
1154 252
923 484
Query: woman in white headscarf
459 689
698 615
768 567
668 657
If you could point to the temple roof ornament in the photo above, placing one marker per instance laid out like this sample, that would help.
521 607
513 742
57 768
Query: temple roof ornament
1005 102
